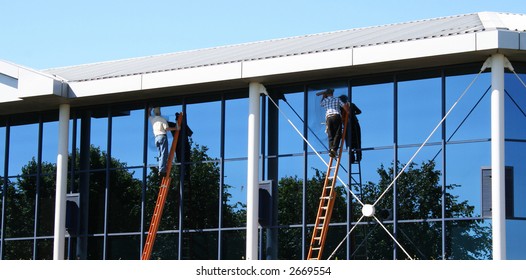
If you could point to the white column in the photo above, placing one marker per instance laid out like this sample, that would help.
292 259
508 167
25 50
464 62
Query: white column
498 202
253 171
62 178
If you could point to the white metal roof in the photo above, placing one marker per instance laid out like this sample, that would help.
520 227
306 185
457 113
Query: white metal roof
314 43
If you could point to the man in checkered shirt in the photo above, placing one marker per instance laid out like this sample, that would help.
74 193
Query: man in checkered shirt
333 118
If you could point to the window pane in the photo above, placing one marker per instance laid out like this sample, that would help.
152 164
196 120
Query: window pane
99 133
233 244
23 147
124 248
235 184
376 119
166 247
50 142
204 119
44 249
515 154
97 195
470 118
291 187
236 127
290 141
18 250
419 110
515 107
515 235
46 207
124 197
469 240
128 136
464 163
20 207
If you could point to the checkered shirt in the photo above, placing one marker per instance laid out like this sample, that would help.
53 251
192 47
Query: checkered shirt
332 105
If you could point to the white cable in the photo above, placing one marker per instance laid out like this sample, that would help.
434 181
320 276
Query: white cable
349 233
394 239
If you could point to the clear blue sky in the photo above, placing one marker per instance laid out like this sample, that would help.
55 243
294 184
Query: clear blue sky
54 33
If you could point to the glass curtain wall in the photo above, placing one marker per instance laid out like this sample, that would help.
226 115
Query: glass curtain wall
435 209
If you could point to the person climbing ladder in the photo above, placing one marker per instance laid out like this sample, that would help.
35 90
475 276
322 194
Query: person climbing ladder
333 118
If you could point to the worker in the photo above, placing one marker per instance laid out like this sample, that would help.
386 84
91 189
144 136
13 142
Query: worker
333 118
353 136
160 126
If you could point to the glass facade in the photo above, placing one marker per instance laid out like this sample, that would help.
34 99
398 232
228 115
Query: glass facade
434 210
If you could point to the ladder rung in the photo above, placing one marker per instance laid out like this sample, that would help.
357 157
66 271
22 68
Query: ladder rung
316 248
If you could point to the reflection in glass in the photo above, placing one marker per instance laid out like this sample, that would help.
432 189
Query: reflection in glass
235 190
44 249
470 118
515 107
464 163
233 243
468 240
515 155
376 119
46 203
290 142
18 250
419 110
50 142
166 246
23 147
124 197
127 136
124 247
204 119
20 207
236 125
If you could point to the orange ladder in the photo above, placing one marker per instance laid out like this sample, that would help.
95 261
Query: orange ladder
327 198
161 198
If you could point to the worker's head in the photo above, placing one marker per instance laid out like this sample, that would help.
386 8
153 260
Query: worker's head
325 93
157 111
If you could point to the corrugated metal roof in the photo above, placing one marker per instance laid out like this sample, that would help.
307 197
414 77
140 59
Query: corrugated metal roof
322 42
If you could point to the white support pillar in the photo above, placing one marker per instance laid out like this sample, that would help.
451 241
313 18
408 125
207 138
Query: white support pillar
62 178
498 201
253 171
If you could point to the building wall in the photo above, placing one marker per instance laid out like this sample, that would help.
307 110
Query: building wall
437 212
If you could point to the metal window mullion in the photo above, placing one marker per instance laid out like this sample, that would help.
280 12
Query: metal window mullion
107 184
221 177
444 140
37 187
305 239
395 161
6 171
144 176
181 186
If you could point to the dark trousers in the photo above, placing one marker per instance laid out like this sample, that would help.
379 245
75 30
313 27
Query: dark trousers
334 131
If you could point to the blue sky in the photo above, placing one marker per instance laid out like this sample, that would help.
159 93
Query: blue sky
55 33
